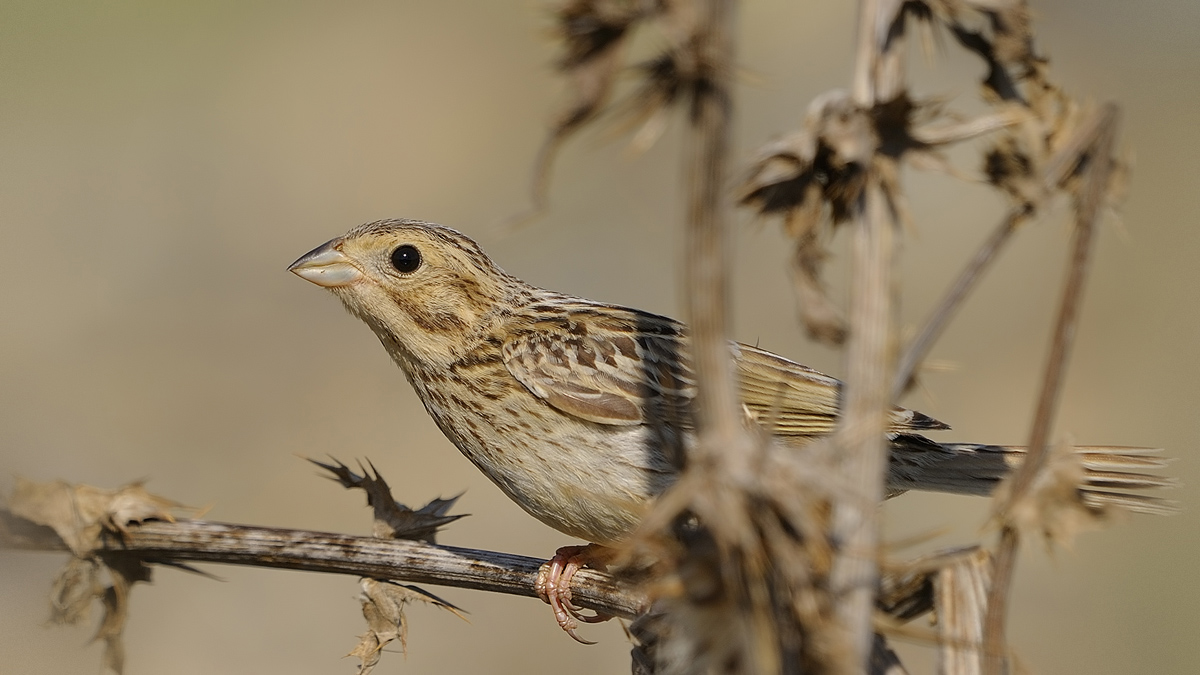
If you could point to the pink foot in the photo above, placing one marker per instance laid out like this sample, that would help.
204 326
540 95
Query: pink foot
554 586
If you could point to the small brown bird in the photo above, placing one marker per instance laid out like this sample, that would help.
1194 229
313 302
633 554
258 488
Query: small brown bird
575 408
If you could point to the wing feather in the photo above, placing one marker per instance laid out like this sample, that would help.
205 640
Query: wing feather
788 399
616 366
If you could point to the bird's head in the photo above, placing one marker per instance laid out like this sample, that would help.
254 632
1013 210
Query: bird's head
426 290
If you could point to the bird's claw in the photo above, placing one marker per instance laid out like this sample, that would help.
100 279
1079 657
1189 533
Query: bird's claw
553 585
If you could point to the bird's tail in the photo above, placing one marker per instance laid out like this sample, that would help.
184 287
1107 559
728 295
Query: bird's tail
1112 476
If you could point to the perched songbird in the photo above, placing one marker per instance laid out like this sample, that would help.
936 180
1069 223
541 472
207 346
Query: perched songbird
576 408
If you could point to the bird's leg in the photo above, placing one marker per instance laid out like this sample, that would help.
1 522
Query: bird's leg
553 585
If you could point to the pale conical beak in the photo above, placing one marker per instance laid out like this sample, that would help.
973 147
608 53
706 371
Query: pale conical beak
326 266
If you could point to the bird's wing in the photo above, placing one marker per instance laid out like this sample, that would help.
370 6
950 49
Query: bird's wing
789 399
605 365
786 398
615 366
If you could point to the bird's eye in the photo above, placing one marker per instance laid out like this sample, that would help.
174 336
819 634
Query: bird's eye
406 259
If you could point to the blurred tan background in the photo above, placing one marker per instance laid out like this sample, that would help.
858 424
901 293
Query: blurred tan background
161 163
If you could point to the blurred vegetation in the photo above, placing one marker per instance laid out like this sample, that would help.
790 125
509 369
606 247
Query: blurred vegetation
162 163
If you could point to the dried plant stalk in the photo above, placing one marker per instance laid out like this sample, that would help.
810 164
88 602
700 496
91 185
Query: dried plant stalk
860 437
722 438
960 595
279 548
1089 201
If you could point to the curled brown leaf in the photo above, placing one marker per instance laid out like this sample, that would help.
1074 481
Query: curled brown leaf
80 515
383 604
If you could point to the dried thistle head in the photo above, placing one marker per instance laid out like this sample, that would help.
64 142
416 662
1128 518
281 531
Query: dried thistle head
592 34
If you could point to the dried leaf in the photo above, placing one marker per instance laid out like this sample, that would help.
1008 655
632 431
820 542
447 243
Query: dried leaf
81 582
829 154
941 131
823 320
73 590
383 607
394 520
115 600
383 601
79 513
1000 33
803 177
960 599
593 35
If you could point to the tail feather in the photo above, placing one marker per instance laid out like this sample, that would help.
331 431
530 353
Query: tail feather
1134 503
918 463
1127 481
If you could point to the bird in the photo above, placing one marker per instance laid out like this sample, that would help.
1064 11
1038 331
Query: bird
580 410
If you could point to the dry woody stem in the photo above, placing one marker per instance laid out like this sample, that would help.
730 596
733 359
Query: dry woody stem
860 435
708 254
186 541
1088 207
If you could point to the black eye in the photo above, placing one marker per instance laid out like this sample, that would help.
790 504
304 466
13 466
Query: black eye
406 259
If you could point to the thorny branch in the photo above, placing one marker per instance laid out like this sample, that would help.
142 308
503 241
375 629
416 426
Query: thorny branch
200 541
